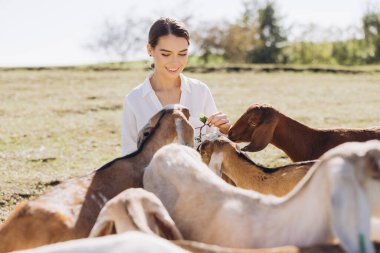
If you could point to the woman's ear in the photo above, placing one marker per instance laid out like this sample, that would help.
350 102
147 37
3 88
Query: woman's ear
149 49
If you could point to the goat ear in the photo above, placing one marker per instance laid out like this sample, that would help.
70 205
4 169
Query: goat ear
350 211
135 210
186 112
206 149
262 135
166 227
143 134
103 228
152 218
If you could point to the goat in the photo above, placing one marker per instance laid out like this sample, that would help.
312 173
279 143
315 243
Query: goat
131 242
225 158
331 201
135 209
262 124
69 210
136 242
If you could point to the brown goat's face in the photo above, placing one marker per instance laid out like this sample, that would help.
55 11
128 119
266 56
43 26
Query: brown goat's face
256 126
220 144
146 132
169 125
175 127
244 127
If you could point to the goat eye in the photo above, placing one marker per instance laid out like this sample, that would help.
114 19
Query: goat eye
146 134
252 124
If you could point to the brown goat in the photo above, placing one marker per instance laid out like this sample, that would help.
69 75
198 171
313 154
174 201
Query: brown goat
245 173
70 209
262 124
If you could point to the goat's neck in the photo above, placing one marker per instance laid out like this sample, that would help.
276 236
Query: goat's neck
293 210
295 139
143 158
240 169
105 184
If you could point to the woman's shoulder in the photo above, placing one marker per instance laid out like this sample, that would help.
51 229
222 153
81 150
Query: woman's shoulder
136 93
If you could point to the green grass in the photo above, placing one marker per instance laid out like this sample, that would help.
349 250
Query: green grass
58 124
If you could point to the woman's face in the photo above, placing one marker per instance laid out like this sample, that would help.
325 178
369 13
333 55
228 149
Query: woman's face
170 55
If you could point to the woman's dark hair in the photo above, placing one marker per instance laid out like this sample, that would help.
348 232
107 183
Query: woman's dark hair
166 26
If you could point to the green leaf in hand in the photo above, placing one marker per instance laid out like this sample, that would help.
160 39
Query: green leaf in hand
203 118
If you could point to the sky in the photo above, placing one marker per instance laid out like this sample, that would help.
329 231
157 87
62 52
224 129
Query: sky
55 32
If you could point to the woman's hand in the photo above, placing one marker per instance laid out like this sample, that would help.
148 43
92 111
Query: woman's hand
220 120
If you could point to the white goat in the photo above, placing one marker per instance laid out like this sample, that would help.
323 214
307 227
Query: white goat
131 242
138 209
331 201
137 242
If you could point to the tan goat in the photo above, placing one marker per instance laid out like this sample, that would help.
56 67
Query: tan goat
70 209
224 157
262 124
135 209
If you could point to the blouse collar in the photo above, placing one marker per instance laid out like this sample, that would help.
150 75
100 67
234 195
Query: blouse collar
147 86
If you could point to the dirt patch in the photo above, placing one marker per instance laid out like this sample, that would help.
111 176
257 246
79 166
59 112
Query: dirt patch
97 108
9 201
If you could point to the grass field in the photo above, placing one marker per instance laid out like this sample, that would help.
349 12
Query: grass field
58 124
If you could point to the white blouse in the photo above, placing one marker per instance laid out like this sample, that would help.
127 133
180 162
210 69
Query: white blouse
142 103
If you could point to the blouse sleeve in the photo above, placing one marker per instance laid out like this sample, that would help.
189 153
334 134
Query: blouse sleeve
128 129
210 108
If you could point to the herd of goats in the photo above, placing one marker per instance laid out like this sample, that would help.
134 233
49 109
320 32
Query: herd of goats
169 197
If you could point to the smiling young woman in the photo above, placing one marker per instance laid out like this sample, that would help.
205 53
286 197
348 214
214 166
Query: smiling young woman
168 46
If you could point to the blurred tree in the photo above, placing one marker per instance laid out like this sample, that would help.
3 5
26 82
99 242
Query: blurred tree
242 36
119 40
232 40
240 39
122 41
371 28
209 40
350 52
271 36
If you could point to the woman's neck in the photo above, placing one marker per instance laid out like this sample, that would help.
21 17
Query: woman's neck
161 83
